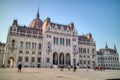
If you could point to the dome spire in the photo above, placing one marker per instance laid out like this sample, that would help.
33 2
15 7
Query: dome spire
106 46
37 14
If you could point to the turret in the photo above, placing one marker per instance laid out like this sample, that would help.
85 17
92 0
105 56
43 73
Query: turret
106 46
15 23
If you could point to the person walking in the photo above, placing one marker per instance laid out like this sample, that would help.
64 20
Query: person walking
74 68
19 67
69 67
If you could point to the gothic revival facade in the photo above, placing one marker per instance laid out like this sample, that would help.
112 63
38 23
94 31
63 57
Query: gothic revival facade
45 43
41 44
108 58
87 51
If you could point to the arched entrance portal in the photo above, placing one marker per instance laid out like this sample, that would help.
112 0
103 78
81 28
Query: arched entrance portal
67 59
11 62
61 58
55 58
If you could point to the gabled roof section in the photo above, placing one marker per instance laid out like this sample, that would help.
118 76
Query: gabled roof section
87 37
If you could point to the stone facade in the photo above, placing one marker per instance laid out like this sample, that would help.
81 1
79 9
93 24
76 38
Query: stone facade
108 58
45 44
41 44
58 43
87 51
2 47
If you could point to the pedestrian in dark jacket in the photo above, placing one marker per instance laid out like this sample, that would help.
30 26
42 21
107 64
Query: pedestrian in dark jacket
19 67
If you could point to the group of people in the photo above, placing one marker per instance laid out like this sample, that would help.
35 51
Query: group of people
69 67
99 68
61 68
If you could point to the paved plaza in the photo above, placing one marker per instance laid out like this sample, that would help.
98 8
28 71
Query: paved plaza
56 74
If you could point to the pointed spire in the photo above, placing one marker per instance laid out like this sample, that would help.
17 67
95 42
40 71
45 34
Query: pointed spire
15 23
106 46
37 14
115 47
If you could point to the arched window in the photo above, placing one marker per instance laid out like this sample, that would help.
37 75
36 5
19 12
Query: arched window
55 58
67 59
61 58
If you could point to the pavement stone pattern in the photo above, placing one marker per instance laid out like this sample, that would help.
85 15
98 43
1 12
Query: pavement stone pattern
56 74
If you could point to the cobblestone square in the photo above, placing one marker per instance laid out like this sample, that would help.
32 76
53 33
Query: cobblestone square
56 74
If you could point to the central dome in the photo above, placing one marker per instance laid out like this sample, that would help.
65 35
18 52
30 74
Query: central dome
36 23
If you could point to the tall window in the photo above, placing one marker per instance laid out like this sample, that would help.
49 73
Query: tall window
20 59
87 50
69 42
63 41
32 45
26 59
84 62
13 43
80 61
35 45
29 45
21 44
66 41
39 45
93 50
54 40
84 50
38 59
80 50
60 40
57 40
88 62
33 59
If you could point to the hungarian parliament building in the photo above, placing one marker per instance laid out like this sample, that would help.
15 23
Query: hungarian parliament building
42 44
